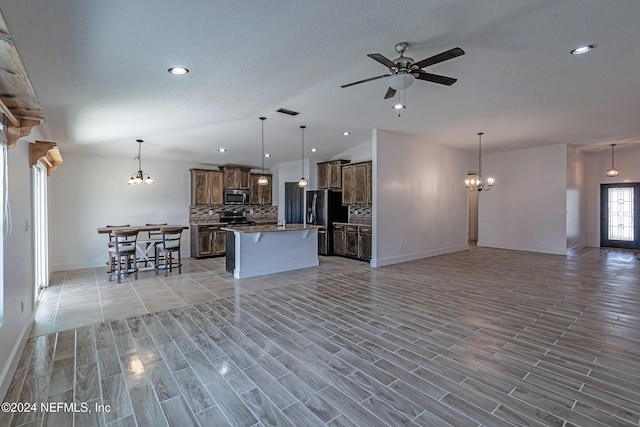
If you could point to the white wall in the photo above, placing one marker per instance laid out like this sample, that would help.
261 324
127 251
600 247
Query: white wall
88 192
419 198
576 199
627 161
18 262
360 153
526 209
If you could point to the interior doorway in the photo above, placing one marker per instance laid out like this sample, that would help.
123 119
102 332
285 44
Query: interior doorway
620 215
293 202
40 229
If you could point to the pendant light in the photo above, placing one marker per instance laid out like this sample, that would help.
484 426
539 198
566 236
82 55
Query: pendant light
477 185
140 177
263 179
303 182
613 172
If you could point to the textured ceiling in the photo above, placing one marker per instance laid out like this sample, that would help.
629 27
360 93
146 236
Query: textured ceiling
99 69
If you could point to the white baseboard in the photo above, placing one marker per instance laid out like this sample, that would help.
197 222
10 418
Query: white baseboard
379 262
525 248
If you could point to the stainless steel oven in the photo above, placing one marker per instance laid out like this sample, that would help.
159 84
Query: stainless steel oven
236 197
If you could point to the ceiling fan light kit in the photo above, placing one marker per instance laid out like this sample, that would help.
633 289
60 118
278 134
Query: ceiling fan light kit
403 70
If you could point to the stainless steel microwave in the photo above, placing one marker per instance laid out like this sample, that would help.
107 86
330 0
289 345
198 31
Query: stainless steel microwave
236 197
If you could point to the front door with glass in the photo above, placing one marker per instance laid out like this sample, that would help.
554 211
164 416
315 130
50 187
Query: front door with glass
620 215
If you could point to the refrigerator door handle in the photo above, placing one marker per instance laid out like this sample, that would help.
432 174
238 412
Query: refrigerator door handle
313 208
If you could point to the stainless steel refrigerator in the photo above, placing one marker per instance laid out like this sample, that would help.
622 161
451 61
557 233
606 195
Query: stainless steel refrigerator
324 207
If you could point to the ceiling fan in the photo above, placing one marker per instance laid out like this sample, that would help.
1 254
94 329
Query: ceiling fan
404 70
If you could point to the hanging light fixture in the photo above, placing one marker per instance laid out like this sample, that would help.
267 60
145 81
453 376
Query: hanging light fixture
476 184
263 179
140 177
613 172
303 182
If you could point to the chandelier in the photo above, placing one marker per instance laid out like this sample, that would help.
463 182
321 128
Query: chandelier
613 172
140 177
477 184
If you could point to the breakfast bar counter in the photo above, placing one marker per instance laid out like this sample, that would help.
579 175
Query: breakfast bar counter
266 249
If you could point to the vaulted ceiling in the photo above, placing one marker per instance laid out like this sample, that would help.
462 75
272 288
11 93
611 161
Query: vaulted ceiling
99 69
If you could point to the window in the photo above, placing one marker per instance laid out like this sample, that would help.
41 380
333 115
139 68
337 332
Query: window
621 213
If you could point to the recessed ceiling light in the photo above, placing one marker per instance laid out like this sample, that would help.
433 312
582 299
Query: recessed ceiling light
313 150
178 70
346 133
222 150
582 49
267 155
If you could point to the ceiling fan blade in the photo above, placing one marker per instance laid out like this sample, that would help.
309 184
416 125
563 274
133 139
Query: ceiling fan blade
443 80
390 93
444 56
365 80
382 59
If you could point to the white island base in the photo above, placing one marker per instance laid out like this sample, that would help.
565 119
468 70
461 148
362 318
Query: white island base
259 250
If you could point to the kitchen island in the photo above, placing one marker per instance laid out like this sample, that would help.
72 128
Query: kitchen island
265 249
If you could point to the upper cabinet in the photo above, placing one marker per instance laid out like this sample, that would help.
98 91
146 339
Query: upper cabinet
18 104
261 194
356 184
329 174
236 178
206 187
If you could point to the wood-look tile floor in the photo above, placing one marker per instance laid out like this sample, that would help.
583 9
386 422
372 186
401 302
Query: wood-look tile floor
479 337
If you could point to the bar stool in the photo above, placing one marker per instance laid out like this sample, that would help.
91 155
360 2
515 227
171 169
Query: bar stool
170 245
111 238
154 237
122 252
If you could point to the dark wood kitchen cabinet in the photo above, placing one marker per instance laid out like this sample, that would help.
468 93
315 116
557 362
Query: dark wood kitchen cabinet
356 184
261 194
207 241
206 187
351 241
338 239
236 178
364 242
329 174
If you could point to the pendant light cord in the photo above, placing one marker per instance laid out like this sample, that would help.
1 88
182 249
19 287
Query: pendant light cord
302 150
613 166
480 155
262 119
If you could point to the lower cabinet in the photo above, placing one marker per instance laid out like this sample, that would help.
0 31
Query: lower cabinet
353 241
338 239
364 242
351 244
207 241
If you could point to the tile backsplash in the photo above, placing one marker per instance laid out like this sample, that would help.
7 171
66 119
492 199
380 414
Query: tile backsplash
211 213
360 214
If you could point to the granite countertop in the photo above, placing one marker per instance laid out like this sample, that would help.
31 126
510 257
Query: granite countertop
215 221
212 222
272 228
